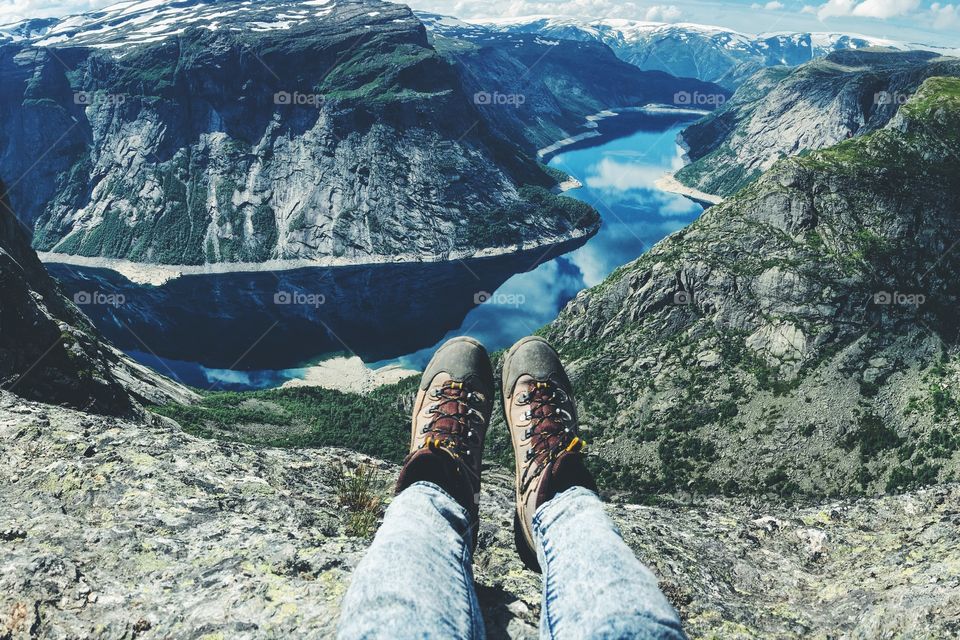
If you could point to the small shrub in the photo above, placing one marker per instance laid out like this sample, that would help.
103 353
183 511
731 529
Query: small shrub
360 493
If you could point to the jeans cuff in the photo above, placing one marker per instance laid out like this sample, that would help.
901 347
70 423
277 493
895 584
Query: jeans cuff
555 505
433 488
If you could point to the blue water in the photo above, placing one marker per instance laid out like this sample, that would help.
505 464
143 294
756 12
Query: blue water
618 180
227 332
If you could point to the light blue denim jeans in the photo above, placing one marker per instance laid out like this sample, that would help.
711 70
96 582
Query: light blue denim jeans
416 582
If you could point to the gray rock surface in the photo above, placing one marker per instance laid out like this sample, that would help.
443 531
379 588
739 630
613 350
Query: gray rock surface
48 348
798 339
125 529
245 132
781 112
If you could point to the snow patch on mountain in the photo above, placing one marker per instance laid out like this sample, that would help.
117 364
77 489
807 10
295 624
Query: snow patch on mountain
148 21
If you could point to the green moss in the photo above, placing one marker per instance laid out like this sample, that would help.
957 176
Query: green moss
379 71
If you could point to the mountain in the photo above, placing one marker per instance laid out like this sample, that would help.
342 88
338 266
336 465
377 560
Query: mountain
781 112
556 83
98 517
26 29
192 132
800 338
49 351
714 54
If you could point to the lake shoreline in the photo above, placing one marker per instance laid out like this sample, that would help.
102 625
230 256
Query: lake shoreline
670 184
514 299
592 125
157 275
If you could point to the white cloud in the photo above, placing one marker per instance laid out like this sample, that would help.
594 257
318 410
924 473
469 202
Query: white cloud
835 8
663 13
883 9
613 176
485 9
945 16
773 5
879 9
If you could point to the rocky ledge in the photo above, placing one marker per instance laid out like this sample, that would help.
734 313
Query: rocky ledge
123 529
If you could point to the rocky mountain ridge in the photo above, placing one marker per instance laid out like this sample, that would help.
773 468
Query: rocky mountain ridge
196 132
713 54
797 339
49 351
559 82
783 112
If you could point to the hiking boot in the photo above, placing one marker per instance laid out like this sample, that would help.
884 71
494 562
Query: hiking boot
451 414
542 417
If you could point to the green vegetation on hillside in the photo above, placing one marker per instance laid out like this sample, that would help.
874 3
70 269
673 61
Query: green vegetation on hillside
519 220
846 222
376 424
381 71
673 401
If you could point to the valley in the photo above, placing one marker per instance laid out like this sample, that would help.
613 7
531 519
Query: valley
232 233
200 328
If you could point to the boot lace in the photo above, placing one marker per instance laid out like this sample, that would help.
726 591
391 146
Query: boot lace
457 423
551 428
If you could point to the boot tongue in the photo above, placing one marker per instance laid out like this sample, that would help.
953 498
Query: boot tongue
547 417
444 422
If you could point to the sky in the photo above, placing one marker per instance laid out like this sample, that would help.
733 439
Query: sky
936 23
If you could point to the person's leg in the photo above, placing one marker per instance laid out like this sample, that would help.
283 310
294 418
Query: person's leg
593 584
594 587
415 581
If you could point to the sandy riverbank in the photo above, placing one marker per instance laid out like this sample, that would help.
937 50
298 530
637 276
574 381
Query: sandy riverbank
349 375
671 185
159 274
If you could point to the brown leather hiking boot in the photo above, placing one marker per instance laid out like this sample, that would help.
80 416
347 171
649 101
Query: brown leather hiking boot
451 414
542 418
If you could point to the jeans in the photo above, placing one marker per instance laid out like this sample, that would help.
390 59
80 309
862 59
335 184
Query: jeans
416 582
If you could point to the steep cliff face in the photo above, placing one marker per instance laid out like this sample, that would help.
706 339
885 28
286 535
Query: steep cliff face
48 349
199 132
537 90
781 112
801 337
